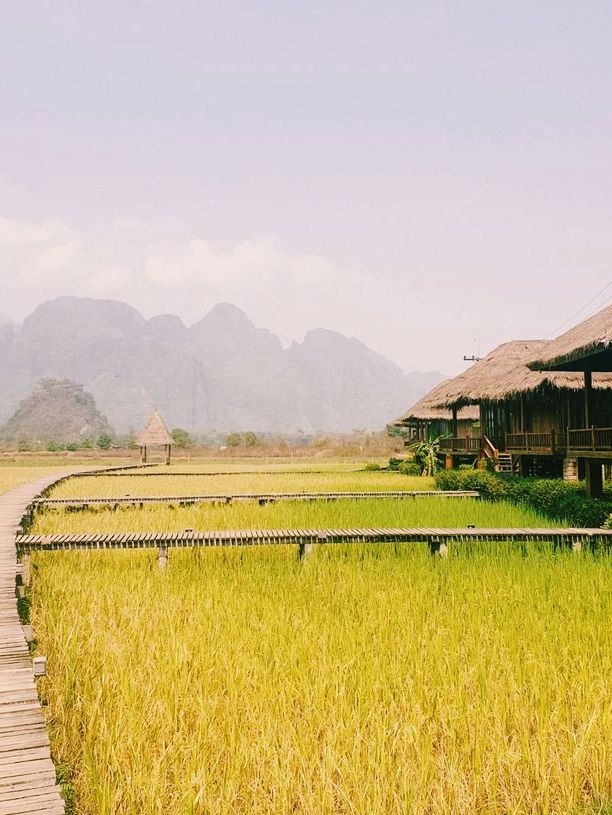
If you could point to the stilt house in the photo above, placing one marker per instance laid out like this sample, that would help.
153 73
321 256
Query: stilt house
585 350
524 414
423 421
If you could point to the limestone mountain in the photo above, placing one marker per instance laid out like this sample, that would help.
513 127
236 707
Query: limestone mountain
223 373
57 410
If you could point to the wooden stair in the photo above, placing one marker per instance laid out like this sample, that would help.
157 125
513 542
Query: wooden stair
504 463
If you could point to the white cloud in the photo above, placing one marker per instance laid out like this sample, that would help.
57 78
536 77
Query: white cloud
286 292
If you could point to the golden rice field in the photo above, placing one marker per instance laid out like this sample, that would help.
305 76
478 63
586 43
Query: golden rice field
13 476
244 482
367 680
376 681
341 514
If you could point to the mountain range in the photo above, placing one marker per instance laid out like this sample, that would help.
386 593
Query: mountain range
220 374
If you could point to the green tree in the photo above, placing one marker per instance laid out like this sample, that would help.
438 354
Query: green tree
426 454
104 441
233 440
181 437
250 439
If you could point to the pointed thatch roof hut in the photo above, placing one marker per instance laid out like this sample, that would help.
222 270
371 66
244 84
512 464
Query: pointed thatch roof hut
586 347
155 434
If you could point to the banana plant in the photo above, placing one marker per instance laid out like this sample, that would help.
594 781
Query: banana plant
427 454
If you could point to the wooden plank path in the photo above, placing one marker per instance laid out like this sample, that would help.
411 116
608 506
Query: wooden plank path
574 537
27 775
262 498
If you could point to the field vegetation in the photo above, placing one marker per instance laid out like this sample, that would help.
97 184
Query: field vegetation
369 680
342 514
366 680
241 482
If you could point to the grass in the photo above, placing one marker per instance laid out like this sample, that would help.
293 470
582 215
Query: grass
343 514
243 482
13 476
370 681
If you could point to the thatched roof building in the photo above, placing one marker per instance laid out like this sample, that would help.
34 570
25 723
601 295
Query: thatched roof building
586 347
423 411
155 434
503 374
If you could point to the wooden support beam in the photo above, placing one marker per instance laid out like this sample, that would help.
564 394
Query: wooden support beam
594 479
304 551
39 665
588 390
437 547
25 569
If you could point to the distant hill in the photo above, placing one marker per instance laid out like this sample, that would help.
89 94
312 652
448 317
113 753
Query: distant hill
57 410
220 374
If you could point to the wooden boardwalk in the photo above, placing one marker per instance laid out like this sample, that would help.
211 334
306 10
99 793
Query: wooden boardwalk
574 537
27 775
262 498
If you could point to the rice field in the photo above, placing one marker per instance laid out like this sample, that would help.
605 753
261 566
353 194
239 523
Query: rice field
367 680
13 476
244 482
340 514
370 680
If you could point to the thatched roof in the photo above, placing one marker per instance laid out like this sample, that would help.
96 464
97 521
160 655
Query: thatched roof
587 346
422 411
155 432
503 374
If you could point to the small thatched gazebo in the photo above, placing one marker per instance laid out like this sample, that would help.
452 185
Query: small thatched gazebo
155 434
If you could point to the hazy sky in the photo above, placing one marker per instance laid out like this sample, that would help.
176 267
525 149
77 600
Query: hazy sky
432 177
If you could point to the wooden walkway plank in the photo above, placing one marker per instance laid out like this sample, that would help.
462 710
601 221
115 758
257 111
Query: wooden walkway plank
195 538
27 775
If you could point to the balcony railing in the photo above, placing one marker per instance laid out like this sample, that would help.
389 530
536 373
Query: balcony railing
590 439
548 442
469 445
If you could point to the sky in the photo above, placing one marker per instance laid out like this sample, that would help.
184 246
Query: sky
433 178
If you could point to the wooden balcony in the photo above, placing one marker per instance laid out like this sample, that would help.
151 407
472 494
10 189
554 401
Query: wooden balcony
590 442
462 445
547 443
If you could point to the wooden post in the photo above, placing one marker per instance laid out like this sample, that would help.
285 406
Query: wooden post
588 387
25 569
448 461
594 479
39 666
437 547
304 551
168 453
162 557
454 425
